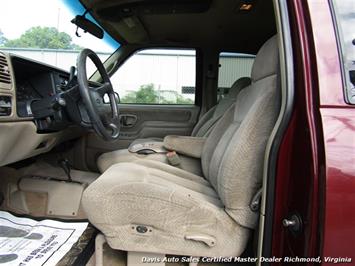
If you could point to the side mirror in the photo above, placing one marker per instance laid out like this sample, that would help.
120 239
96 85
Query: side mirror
88 26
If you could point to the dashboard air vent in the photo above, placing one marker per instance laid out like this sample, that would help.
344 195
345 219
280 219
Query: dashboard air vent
5 77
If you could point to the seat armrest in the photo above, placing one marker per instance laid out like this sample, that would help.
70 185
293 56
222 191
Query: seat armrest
186 145
147 146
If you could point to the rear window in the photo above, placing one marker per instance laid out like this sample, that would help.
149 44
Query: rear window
232 66
344 14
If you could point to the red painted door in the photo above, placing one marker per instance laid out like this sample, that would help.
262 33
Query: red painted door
316 168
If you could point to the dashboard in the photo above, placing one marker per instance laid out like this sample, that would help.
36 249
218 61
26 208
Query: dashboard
38 94
35 82
32 120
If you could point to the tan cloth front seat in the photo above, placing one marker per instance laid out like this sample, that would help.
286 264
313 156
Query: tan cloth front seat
149 206
201 129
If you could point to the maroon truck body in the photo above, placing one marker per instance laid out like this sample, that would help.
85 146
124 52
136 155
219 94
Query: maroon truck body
316 166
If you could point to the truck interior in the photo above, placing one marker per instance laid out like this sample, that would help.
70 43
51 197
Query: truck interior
164 179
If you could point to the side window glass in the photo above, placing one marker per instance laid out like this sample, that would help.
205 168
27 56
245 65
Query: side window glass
157 76
344 11
232 66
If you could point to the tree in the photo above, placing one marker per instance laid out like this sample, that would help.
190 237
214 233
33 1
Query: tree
2 38
148 94
43 37
182 100
145 94
179 100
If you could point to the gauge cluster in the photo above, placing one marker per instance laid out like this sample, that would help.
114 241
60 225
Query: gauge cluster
26 92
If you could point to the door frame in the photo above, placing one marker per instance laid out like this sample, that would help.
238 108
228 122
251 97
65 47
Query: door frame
286 81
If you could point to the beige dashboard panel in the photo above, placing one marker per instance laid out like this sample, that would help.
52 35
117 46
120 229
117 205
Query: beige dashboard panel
20 140
18 135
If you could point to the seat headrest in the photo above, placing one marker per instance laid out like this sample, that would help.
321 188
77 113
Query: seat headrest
237 86
266 60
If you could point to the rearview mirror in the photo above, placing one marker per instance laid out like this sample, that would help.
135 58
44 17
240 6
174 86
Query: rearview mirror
88 26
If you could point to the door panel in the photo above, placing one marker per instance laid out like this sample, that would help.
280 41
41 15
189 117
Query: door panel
147 121
316 173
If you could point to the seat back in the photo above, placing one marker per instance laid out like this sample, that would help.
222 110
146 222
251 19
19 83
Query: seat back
233 156
209 119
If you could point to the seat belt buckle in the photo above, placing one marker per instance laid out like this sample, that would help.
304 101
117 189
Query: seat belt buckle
173 158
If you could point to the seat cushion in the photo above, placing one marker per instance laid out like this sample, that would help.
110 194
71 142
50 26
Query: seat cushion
180 210
123 156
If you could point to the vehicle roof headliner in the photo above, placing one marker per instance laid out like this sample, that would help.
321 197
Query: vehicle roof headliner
188 23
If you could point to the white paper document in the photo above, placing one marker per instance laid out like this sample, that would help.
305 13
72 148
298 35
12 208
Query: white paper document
25 241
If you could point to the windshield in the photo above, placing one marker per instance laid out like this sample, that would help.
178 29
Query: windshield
42 30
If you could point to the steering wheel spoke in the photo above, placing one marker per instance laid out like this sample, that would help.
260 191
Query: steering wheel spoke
107 128
103 89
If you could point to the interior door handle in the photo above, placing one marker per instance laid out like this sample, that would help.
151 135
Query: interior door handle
128 120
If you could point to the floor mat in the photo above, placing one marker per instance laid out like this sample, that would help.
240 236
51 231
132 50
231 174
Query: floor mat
82 250
25 241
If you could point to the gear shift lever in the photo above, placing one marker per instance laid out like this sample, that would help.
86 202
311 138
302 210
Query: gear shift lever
64 163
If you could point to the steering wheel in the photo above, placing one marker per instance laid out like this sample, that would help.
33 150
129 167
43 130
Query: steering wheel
106 126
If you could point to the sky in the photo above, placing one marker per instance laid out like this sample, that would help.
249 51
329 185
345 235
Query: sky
17 16
345 9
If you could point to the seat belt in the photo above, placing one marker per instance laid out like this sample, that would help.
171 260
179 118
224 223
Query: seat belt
173 158
256 201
